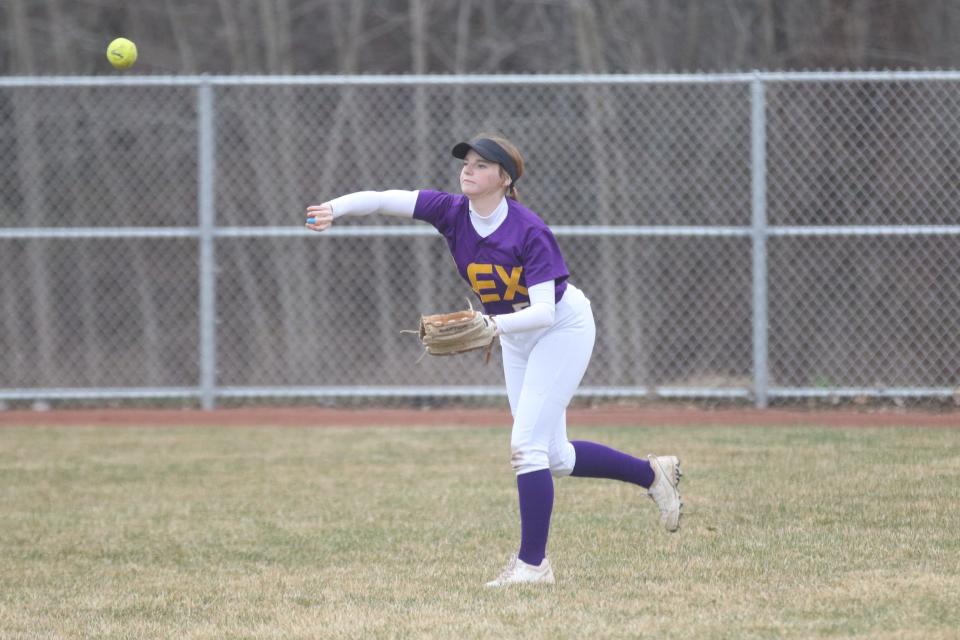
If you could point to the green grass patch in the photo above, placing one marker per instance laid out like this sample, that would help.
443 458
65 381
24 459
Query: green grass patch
390 533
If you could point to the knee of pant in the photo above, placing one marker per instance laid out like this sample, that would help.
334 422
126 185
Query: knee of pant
562 460
525 459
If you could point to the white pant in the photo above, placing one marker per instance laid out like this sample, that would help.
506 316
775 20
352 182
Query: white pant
542 370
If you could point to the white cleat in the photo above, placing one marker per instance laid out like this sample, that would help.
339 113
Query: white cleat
519 572
664 491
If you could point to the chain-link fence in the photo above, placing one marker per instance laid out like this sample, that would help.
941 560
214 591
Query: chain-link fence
743 236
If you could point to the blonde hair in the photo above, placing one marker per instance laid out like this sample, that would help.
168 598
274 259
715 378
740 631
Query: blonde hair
514 154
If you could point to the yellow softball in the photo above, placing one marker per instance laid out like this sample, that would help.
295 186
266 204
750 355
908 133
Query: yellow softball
122 53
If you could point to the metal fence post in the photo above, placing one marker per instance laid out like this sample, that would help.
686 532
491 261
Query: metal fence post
758 179
206 148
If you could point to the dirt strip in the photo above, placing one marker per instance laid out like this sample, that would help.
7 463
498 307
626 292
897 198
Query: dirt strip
610 415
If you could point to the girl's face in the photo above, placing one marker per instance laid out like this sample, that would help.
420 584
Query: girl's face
480 177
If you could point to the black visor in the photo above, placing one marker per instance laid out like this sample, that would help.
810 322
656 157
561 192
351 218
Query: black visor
488 150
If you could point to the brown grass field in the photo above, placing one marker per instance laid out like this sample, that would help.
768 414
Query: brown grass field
113 529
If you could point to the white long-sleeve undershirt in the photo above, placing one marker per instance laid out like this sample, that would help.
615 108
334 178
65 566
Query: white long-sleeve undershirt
364 203
542 310
539 315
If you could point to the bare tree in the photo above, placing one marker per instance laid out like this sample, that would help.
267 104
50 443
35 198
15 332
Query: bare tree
541 36
184 44
232 36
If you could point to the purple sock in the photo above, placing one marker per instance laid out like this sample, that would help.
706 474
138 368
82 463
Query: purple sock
598 461
536 504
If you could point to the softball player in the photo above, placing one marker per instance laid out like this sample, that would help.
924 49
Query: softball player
513 263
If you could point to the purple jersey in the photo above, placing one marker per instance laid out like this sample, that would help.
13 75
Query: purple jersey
521 252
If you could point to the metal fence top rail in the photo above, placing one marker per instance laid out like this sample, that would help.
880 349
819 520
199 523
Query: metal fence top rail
479 79
296 231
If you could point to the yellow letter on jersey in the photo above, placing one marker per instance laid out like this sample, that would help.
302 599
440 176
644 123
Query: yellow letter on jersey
512 281
474 269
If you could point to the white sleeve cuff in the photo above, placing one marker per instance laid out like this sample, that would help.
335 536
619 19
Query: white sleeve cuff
539 315
364 203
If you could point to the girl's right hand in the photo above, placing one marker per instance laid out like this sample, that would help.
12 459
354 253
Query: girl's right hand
322 215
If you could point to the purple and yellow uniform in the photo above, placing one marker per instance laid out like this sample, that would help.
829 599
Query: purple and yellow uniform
522 252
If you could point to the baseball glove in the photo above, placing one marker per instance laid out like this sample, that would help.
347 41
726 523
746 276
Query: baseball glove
446 334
